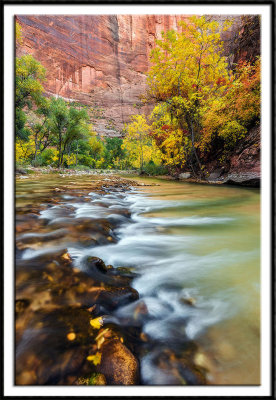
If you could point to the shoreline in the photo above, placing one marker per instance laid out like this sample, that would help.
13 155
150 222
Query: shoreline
243 178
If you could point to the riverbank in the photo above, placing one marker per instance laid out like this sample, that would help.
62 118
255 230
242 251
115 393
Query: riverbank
242 178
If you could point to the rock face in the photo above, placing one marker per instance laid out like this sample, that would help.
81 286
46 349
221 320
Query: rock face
98 60
245 164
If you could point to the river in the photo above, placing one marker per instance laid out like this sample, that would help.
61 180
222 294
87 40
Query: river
194 251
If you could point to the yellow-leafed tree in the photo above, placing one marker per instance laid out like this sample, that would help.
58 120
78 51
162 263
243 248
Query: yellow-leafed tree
188 73
138 143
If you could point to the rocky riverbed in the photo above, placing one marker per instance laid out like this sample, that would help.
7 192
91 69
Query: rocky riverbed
67 331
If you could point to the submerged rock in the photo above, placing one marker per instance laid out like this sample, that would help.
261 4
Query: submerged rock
46 353
95 262
164 366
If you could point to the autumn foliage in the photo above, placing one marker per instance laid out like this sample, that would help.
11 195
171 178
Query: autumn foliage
201 102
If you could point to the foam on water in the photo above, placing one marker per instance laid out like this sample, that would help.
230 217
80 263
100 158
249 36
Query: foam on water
192 255
163 262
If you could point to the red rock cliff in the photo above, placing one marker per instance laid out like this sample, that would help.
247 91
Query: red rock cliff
96 59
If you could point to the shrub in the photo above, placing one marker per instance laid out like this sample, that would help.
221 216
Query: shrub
152 169
46 157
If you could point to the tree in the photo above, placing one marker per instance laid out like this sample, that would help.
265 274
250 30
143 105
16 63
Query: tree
18 34
188 73
40 127
231 116
67 124
138 143
113 151
174 147
29 75
96 146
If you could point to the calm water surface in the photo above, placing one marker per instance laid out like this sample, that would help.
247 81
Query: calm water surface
196 249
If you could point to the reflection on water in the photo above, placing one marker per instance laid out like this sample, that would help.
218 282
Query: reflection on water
196 252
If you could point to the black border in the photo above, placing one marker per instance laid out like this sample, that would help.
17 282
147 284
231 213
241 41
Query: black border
272 166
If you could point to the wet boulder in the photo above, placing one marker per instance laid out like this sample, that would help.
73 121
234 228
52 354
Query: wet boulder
115 297
123 272
109 298
118 364
93 263
103 274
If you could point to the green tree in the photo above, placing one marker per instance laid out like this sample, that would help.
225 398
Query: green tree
67 124
29 75
40 127
113 151
96 147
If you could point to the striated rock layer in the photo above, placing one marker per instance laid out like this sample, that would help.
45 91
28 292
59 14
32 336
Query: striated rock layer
98 60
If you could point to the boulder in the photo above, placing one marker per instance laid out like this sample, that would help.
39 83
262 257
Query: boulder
184 175
215 175
20 171
116 297
95 262
251 179
118 364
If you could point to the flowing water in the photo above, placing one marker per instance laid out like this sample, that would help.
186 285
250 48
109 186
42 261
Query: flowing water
195 250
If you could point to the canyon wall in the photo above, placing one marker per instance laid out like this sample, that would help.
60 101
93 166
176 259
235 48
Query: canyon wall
98 60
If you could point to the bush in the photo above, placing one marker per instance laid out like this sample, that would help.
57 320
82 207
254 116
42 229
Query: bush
152 169
45 158
86 161
81 168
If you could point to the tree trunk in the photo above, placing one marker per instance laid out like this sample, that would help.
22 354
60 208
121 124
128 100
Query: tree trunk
141 156
77 153
59 149
194 149
36 145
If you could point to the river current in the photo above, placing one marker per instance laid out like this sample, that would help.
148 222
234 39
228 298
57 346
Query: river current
195 250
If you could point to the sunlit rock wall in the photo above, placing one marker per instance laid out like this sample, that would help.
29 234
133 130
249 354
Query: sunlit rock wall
97 59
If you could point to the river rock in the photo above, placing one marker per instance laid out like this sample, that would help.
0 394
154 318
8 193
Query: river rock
118 364
251 179
116 297
215 175
184 175
95 262
20 171
189 301
53 346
